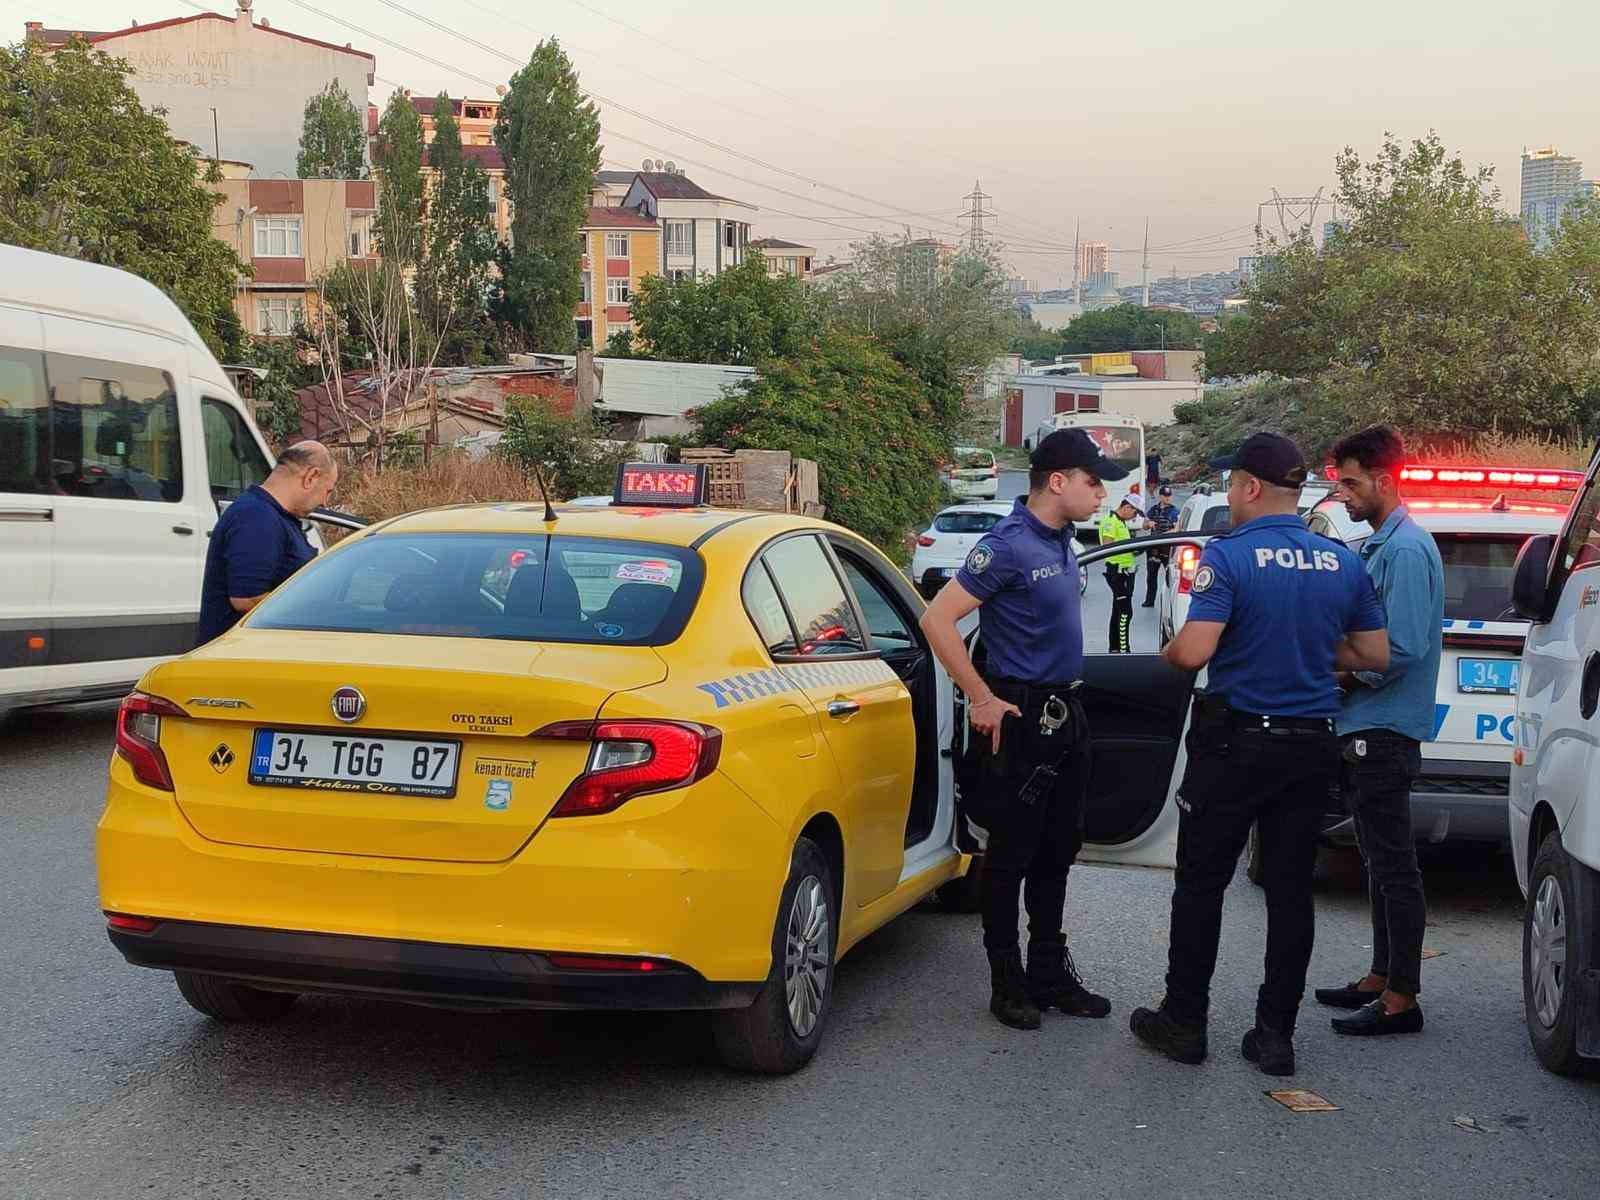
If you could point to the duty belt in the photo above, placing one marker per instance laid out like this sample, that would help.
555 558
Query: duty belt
1262 723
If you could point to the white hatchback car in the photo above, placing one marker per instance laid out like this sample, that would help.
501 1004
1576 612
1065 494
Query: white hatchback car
944 545
974 475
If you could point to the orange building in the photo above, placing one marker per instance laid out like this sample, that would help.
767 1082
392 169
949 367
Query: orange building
620 248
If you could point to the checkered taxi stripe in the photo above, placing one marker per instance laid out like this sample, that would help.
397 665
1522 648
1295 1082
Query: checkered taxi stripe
756 685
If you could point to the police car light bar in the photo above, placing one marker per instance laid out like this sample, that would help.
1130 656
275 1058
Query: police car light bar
1502 477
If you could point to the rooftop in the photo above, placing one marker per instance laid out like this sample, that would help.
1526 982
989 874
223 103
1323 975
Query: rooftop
56 38
605 217
665 185
771 243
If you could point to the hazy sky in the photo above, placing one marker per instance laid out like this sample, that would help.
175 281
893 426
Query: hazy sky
1103 113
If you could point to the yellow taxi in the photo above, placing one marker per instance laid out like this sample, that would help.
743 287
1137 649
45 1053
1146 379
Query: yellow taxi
635 756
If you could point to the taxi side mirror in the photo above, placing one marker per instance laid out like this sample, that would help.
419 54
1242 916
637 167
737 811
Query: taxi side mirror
1530 581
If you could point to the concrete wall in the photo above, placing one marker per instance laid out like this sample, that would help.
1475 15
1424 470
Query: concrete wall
257 79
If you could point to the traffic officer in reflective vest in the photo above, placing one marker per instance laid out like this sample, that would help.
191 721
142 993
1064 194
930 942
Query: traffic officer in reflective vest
1275 610
1120 573
1027 769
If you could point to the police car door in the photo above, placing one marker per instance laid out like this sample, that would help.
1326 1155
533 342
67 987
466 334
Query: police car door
1138 710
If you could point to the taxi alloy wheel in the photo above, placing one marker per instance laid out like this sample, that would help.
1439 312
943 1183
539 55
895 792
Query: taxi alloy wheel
780 1032
807 956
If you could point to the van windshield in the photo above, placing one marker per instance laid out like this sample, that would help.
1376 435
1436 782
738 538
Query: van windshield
523 587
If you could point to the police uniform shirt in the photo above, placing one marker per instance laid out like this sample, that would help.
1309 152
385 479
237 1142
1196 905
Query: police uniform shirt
1287 596
1026 577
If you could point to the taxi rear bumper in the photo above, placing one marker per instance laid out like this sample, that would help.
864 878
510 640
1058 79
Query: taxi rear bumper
475 977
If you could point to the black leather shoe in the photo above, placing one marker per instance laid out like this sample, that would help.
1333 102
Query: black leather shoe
1373 1021
1270 1050
1178 1040
1054 982
1348 996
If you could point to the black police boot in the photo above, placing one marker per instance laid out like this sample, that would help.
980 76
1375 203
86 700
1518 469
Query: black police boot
1054 982
1269 1049
1179 1040
1008 999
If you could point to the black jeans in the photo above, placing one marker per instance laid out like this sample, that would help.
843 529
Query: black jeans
1235 778
1121 584
1031 847
1377 791
1155 563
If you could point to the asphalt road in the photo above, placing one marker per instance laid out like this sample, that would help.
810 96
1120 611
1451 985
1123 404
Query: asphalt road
110 1086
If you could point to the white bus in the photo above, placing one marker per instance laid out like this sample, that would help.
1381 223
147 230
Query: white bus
1122 440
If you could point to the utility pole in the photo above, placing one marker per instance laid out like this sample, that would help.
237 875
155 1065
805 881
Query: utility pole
975 216
216 138
1145 272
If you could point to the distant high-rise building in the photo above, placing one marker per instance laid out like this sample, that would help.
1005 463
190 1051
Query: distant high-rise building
1550 180
1094 259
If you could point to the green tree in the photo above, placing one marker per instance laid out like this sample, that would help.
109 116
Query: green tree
87 171
568 451
333 137
453 280
1224 349
741 317
549 136
397 162
278 410
1431 310
862 416
1129 327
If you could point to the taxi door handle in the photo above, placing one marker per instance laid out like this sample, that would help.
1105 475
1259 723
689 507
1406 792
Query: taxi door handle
841 709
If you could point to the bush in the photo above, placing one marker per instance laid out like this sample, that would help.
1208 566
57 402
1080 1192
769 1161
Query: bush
863 417
575 461
376 495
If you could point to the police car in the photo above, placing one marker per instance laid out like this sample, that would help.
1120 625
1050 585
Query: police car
648 755
1462 792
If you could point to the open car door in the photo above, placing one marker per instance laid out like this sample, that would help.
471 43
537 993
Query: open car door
1138 710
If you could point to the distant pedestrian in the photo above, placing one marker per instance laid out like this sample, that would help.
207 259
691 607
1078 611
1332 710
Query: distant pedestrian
258 542
1163 517
1152 472
1120 573
1386 717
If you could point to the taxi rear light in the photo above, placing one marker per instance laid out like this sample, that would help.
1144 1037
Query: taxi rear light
1188 563
131 924
633 758
139 737
925 540
605 962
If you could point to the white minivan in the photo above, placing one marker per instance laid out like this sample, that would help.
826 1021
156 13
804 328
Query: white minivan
120 439
1555 784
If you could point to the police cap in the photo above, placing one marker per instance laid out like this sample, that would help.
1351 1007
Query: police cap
1066 449
1270 457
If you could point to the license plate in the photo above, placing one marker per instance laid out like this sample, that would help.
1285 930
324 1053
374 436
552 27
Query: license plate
351 763
1490 676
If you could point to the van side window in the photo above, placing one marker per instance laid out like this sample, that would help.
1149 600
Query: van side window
1583 539
24 422
233 458
114 429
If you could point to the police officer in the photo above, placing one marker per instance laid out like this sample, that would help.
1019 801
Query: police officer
1275 609
1163 517
1028 764
1121 571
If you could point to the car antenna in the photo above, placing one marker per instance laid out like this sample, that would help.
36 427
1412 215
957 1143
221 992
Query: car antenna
544 493
1500 504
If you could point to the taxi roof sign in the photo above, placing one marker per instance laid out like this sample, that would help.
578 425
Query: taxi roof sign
662 485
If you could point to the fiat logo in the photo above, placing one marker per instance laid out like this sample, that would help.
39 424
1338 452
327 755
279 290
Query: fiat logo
349 704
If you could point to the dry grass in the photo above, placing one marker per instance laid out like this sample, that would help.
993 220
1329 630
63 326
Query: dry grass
449 479
1493 449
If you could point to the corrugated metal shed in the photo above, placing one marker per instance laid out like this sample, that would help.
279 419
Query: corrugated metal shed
655 389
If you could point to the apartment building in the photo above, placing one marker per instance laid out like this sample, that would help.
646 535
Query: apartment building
786 258
620 248
476 119
701 233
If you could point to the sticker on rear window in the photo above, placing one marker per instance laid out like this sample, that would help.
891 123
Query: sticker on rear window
607 630
650 571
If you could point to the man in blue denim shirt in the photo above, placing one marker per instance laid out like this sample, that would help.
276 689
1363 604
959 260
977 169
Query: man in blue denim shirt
1387 715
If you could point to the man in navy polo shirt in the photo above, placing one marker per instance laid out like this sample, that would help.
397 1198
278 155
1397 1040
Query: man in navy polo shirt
1275 610
258 542
1029 765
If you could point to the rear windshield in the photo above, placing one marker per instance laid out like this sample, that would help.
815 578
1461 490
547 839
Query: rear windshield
1477 575
966 522
523 587
973 460
1216 518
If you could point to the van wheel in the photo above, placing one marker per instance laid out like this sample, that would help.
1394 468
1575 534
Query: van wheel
780 1032
1557 948
964 895
225 1000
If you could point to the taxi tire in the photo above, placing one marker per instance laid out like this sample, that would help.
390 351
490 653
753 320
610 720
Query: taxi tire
224 1000
760 1038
